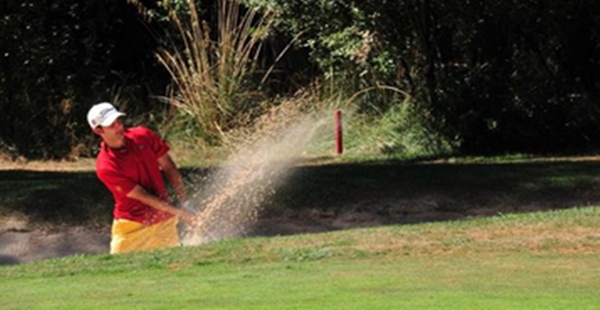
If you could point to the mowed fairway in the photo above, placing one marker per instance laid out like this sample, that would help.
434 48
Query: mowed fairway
544 260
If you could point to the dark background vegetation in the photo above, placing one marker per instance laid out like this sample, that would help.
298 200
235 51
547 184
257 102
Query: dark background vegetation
491 76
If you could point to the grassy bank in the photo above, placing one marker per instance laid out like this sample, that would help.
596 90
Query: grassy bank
535 261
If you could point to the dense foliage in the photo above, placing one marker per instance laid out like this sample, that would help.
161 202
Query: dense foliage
57 58
489 75
492 75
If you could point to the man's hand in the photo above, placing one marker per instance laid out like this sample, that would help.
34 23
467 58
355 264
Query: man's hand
142 195
188 217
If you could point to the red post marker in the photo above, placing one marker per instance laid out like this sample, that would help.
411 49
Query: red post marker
339 139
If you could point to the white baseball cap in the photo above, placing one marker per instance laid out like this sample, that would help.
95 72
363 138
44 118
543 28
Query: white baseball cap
103 114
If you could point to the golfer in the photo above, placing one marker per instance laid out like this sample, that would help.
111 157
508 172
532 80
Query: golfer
130 163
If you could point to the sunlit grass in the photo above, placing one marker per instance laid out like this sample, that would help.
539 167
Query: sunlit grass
573 231
537 260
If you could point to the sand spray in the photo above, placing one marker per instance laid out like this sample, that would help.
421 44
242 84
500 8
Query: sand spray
231 198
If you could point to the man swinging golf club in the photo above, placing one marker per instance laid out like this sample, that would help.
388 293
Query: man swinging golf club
130 163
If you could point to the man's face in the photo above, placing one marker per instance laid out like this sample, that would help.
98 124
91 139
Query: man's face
114 134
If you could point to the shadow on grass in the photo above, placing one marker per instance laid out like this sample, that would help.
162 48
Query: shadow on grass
341 196
55 197
330 196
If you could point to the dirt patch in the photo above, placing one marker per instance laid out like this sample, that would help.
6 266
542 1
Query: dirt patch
82 164
24 245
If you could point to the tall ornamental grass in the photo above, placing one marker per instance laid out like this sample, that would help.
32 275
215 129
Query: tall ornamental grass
213 69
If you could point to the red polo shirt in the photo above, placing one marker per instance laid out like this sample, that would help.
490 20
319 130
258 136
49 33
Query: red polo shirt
135 164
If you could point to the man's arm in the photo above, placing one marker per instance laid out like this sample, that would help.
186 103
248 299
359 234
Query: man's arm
140 194
174 177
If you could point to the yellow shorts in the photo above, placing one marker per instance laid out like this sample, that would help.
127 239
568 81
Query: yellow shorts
130 236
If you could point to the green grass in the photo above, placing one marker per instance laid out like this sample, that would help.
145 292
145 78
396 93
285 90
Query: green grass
545 260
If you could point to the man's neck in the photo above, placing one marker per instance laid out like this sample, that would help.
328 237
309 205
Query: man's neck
116 144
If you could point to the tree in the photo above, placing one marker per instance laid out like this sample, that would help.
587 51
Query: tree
493 76
57 58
